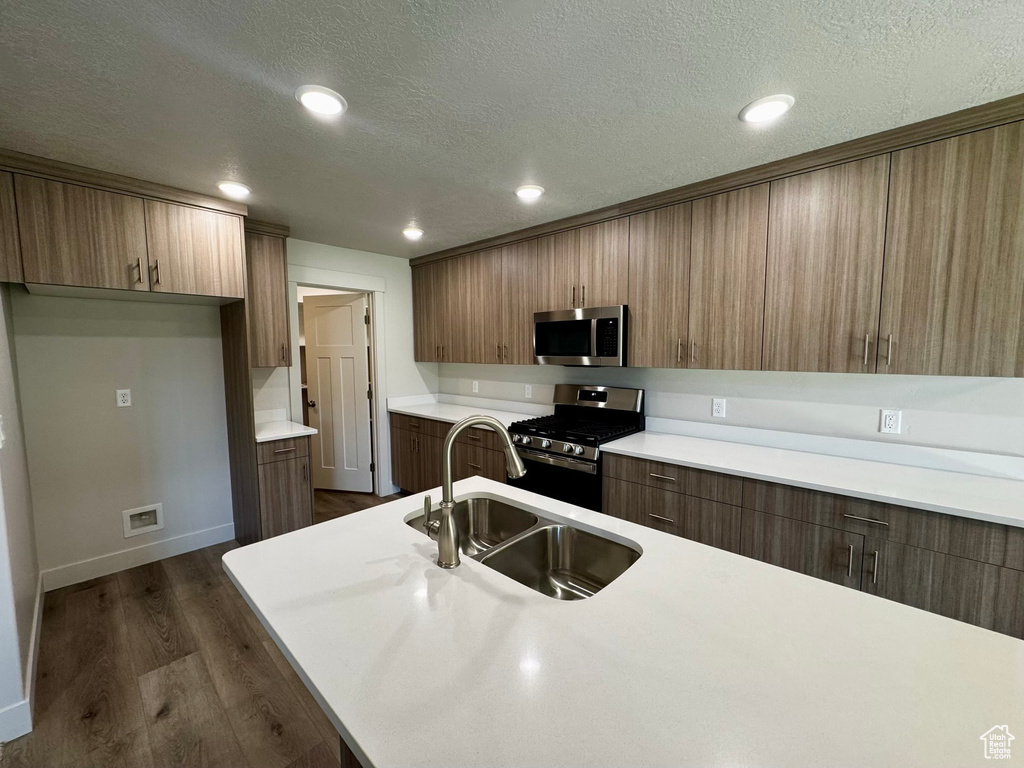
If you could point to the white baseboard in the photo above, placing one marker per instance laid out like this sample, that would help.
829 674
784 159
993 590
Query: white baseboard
15 720
83 570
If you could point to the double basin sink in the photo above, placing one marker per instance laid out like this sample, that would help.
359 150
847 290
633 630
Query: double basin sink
553 558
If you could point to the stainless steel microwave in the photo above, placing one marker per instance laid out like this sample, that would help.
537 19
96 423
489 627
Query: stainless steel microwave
589 336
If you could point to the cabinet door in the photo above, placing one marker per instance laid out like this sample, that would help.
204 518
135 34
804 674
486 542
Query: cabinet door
978 593
826 233
73 235
405 463
475 317
429 451
470 461
604 264
953 298
194 251
814 550
286 502
659 279
269 342
431 309
10 246
537 276
728 249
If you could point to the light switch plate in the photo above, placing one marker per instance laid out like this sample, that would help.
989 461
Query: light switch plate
124 398
718 407
476 386
529 391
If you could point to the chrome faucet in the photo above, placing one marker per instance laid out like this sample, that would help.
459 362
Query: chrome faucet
447 533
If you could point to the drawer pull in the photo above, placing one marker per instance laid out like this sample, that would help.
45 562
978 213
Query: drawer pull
414 425
474 437
284 450
662 477
663 519
474 466
874 570
866 520
849 564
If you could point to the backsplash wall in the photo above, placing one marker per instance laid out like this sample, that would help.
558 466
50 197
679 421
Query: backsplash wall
975 414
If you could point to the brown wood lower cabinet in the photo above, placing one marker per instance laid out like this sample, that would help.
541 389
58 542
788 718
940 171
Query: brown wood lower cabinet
814 550
415 460
417 445
703 520
964 569
286 486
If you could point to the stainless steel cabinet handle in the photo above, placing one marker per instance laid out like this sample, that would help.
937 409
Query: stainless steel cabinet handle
874 575
138 266
474 437
693 350
572 296
505 356
437 350
284 352
497 351
663 519
849 565
662 477
474 466
414 425
442 351
583 295
304 475
867 339
156 272
679 350
284 450
866 520
888 355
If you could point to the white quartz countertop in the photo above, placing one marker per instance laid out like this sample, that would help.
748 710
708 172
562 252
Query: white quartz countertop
693 657
456 413
997 500
280 430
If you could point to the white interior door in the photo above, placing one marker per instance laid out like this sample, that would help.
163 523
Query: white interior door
338 380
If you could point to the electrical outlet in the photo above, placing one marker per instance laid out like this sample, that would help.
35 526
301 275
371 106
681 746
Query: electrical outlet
476 386
891 422
718 407
124 398
529 391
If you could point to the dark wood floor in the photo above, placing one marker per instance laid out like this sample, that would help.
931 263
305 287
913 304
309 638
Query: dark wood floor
165 665
328 505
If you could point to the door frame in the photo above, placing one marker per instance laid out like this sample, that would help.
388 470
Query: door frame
374 287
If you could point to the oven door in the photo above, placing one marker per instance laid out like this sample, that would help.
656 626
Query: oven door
591 336
560 477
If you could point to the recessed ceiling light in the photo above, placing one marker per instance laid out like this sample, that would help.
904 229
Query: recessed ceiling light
529 192
767 108
234 189
413 233
321 100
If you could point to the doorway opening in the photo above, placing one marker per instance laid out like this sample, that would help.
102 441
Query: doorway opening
336 382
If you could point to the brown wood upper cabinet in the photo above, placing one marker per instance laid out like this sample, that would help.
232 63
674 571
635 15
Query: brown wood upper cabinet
659 279
953 299
194 251
476 308
824 274
267 274
536 276
78 236
430 310
10 246
603 264
728 249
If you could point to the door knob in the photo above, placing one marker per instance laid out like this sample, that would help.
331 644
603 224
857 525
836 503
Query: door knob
311 403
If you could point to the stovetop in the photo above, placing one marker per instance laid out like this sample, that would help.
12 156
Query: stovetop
572 430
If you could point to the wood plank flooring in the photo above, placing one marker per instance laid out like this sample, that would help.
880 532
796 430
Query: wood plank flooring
328 505
163 666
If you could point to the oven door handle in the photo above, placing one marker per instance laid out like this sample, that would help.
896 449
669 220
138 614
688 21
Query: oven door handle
559 461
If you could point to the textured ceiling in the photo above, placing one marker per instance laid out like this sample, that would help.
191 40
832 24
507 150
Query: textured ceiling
454 104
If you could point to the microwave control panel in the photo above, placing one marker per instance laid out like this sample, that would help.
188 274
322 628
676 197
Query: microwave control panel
607 337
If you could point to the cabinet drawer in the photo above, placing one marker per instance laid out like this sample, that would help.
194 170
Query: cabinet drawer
702 520
481 438
472 460
702 484
279 450
420 425
973 539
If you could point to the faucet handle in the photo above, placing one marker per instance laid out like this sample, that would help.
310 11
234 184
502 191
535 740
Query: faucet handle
429 527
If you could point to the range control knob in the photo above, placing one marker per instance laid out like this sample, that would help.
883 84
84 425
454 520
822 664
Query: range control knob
526 440
578 450
567 448
516 438
545 443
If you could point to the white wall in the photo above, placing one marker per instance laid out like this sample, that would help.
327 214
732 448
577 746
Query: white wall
89 460
977 414
19 569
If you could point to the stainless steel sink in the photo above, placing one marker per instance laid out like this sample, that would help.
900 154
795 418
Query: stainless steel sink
562 562
484 523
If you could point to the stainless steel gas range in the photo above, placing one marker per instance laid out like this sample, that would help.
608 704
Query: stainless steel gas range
564 449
